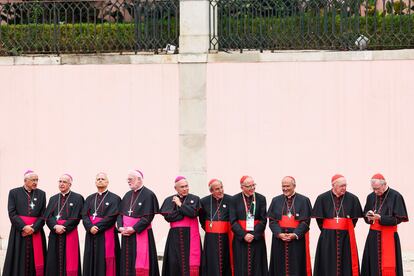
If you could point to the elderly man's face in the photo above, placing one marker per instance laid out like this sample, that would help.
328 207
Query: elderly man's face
216 189
378 187
182 187
339 186
248 186
64 184
135 182
31 182
101 181
288 186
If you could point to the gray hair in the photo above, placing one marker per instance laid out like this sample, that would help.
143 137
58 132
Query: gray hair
380 181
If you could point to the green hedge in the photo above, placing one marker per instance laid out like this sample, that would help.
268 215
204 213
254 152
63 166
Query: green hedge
86 38
315 32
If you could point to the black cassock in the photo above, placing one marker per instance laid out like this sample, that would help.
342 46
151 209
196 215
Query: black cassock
250 259
334 250
391 207
177 259
101 210
66 208
143 205
290 215
215 258
20 256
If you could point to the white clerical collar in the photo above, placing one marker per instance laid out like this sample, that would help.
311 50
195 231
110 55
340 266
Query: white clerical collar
140 188
103 192
292 195
65 193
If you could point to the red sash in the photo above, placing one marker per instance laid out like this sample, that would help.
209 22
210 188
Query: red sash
37 246
388 266
195 249
291 222
345 224
110 265
142 259
72 250
243 223
222 227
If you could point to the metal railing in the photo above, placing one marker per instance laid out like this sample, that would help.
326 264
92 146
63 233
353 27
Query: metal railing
55 27
311 24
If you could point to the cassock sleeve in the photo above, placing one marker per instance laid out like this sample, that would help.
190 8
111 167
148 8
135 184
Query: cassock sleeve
238 231
169 211
190 209
75 215
146 220
40 222
317 212
14 218
202 215
50 219
273 222
399 212
303 227
260 227
85 215
358 210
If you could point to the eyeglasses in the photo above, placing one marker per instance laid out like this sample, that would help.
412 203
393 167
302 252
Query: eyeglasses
250 187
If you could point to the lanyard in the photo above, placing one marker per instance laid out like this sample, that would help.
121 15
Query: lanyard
253 203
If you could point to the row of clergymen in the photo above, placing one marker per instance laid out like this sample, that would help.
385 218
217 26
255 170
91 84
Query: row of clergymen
234 242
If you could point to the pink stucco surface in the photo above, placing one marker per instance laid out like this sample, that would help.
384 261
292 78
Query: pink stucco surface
312 120
306 119
85 119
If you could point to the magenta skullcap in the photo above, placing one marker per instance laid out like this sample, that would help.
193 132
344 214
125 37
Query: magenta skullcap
178 178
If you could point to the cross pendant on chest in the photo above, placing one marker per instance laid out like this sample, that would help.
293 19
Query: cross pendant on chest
211 225
57 217
337 219
289 214
130 212
94 216
32 205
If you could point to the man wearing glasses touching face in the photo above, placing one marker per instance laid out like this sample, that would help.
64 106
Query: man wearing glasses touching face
26 250
248 222
99 214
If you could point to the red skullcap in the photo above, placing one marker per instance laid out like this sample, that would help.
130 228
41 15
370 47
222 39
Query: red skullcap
335 177
243 179
378 176
212 181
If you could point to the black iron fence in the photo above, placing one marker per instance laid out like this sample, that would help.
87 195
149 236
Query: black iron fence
40 27
311 24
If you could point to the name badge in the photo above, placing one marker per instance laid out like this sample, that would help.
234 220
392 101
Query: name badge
249 222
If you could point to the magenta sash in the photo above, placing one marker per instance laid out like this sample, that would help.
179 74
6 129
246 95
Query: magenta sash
72 250
110 268
142 259
195 251
37 247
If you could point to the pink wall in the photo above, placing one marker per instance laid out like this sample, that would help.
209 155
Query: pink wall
306 119
312 120
85 119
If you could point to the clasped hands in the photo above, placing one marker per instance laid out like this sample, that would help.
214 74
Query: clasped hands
126 231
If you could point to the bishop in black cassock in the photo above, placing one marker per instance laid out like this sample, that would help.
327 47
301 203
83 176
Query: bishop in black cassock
26 249
99 214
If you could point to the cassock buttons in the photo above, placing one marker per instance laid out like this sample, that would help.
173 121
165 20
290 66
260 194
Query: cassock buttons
106 203
224 205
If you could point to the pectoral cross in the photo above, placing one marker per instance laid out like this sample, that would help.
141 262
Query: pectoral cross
289 214
32 205
94 216
130 212
58 217
337 219
211 225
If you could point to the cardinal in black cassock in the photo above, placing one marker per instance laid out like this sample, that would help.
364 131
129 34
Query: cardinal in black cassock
384 210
